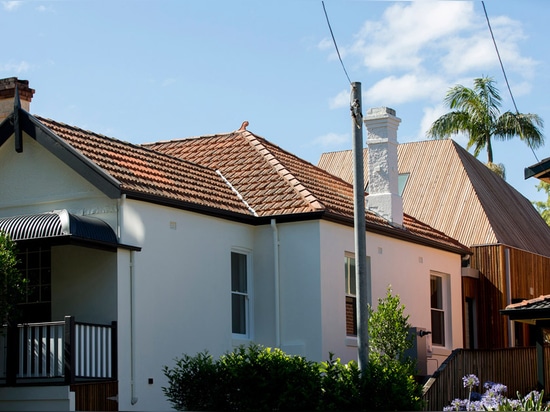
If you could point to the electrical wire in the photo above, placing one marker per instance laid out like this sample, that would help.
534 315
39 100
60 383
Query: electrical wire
355 106
502 67
334 41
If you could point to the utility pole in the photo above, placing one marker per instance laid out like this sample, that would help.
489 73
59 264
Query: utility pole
362 273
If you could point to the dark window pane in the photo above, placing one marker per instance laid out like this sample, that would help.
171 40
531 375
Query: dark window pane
46 258
33 275
351 316
438 328
238 313
238 272
436 292
33 260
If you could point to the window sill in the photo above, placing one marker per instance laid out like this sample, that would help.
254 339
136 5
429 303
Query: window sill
440 350
351 341
237 341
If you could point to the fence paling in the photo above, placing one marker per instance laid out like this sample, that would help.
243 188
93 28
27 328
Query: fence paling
514 367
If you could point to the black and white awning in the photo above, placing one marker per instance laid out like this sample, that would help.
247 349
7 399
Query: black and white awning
58 224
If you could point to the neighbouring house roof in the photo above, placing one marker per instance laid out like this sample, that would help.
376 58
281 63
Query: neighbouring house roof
236 175
452 191
540 170
530 311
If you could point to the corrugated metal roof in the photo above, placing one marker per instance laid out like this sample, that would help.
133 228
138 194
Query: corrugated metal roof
452 191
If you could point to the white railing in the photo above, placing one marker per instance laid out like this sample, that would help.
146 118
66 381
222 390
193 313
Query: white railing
93 351
66 350
41 350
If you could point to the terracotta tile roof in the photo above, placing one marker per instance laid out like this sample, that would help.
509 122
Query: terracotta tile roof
276 182
236 173
142 171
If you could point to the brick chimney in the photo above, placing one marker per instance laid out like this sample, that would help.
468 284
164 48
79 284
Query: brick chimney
383 197
7 93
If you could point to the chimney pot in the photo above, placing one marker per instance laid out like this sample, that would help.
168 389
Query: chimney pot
7 94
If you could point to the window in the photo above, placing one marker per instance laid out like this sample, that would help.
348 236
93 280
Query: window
437 308
470 334
240 315
35 266
351 295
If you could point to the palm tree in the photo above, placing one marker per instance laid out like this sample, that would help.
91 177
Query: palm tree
476 113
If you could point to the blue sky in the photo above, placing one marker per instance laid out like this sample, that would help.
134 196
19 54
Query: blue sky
147 70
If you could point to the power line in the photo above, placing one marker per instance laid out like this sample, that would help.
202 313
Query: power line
502 67
334 41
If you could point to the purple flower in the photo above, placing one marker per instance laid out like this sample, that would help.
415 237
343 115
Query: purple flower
470 381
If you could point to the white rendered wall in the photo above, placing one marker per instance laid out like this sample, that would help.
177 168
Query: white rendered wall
300 289
84 284
36 181
182 284
37 398
403 265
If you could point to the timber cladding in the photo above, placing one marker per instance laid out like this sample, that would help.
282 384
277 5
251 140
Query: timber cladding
96 396
529 277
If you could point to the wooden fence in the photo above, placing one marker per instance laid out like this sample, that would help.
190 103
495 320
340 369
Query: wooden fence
514 367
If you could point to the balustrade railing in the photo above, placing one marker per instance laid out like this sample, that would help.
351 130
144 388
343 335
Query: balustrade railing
62 351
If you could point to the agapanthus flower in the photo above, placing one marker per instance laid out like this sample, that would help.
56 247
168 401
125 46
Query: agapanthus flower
470 381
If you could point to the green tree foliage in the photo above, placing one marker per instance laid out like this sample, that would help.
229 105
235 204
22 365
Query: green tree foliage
476 112
13 283
544 207
389 329
390 375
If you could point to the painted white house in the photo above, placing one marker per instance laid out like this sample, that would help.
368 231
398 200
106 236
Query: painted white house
190 245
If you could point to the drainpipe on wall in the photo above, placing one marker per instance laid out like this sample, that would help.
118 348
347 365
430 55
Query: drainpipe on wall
276 277
134 398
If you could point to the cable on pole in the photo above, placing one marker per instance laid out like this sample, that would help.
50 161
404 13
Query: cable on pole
502 67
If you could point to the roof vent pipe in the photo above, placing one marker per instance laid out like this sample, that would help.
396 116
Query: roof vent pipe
383 197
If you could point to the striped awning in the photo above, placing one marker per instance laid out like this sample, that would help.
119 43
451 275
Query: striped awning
58 224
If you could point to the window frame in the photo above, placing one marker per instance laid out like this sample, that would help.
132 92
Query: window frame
248 300
350 291
444 310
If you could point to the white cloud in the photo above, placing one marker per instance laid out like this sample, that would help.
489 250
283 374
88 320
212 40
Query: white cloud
407 34
394 90
11 5
16 68
342 99
332 140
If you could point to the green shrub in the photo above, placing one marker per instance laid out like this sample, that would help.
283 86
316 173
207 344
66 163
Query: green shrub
256 378
251 378
391 386
342 385
194 383
264 379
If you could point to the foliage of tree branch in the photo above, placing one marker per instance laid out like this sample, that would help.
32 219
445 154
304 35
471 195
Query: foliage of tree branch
476 113
543 207
13 283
